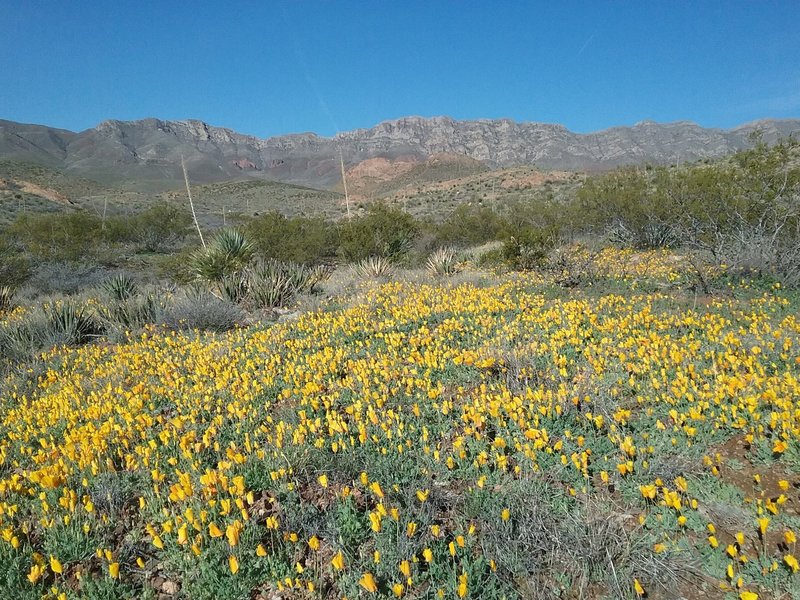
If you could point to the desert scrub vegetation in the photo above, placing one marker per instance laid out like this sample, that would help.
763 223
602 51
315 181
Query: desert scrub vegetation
743 213
506 441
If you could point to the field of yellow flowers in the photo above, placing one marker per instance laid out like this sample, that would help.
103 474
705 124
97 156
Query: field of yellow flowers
429 441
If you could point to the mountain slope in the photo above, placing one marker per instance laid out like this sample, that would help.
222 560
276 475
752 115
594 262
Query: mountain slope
147 153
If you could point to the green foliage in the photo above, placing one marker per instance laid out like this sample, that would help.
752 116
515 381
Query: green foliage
71 323
161 226
272 283
743 212
471 225
301 240
625 204
129 314
383 231
228 253
58 236
120 287
63 323
15 268
529 248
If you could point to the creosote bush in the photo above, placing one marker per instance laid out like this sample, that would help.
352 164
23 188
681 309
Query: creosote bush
384 231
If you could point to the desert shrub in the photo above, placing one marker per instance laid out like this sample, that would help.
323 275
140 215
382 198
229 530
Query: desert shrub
743 212
201 310
19 341
15 268
161 226
70 323
747 215
67 278
126 309
301 240
270 286
573 265
6 299
630 209
67 236
383 231
176 266
529 248
58 323
471 225
491 257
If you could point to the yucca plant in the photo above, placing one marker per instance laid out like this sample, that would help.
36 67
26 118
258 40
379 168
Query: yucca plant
234 286
70 324
6 298
303 277
316 275
120 287
443 261
130 314
273 284
228 253
374 267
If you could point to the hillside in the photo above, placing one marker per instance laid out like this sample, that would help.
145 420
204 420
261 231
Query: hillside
145 155
28 187
255 196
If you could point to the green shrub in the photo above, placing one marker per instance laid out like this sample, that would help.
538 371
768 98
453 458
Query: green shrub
383 231
71 324
298 239
61 323
529 248
471 225
273 284
59 236
129 314
743 212
161 226
15 268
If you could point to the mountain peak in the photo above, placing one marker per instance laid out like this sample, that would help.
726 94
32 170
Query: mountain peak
149 150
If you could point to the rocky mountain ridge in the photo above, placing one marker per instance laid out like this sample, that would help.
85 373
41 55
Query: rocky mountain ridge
148 152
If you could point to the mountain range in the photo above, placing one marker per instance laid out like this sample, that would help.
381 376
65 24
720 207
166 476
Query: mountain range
146 154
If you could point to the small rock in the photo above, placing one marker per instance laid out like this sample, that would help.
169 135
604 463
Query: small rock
170 587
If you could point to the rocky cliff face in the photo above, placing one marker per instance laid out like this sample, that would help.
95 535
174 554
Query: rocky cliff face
150 150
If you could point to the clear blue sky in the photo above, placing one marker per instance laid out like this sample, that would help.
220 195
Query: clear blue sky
268 68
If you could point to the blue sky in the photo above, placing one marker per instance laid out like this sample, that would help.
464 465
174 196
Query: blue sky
267 68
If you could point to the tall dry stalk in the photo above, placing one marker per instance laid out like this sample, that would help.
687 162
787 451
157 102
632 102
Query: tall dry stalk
191 204
344 183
